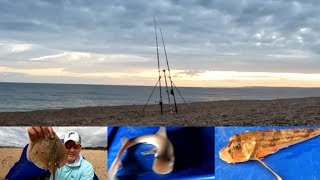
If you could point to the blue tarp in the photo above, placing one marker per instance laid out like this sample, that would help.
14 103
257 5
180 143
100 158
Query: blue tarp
193 149
24 169
299 161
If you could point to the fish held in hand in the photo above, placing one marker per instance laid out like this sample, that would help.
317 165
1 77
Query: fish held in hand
255 145
163 151
49 154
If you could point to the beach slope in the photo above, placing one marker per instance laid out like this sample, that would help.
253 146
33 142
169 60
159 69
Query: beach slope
299 111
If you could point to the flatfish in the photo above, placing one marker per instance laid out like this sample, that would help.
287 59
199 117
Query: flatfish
49 154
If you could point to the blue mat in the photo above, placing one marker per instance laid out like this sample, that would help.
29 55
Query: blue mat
193 148
299 161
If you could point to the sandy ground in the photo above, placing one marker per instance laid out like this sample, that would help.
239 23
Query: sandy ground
300 111
9 156
98 159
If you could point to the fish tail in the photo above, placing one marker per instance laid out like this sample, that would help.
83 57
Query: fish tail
113 169
116 163
52 170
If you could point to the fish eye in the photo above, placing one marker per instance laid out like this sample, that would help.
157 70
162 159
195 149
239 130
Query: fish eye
236 146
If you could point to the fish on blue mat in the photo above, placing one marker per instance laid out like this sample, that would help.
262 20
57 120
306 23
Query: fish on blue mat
163 152
254 145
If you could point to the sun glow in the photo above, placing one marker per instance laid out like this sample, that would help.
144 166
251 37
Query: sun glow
181 77
240 79
234 75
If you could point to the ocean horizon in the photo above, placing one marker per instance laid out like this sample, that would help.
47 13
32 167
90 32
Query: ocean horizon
17 97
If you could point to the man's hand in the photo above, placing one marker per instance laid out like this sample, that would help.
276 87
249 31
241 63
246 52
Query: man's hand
36 133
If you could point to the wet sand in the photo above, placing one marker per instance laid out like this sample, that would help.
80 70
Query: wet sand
300 111
9 156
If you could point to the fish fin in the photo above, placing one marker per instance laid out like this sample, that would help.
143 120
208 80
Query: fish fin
111 177
151 151
162 131
124 140
268 167
248 148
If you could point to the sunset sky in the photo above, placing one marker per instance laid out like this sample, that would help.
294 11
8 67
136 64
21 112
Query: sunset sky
209 43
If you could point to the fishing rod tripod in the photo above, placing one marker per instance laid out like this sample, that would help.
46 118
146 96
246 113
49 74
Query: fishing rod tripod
172 86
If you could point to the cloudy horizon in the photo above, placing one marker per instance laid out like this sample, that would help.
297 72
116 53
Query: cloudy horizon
209 43
18 136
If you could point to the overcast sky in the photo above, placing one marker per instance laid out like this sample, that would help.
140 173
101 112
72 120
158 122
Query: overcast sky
90 136
209 43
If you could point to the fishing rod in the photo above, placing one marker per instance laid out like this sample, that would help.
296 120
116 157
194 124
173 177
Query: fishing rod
165 76
155 29
171 91
167 90
159 73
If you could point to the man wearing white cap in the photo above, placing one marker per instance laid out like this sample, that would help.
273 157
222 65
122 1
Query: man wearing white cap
76 168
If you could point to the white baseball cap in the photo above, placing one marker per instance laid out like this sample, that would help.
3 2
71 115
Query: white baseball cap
74 136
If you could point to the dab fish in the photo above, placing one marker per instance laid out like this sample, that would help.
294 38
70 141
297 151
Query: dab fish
255 145
49 154
163 152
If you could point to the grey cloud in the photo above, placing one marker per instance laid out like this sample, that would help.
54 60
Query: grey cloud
13 136
18 137
23 78
90 136
191 72
196 33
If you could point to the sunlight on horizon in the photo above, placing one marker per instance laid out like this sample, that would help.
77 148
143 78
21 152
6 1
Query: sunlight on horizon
180 77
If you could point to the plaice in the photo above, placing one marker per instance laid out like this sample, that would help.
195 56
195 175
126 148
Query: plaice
49 154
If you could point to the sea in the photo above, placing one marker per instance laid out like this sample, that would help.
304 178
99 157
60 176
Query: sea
17 97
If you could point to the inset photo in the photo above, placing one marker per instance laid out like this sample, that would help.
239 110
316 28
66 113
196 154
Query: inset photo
160 153
269 152
53 153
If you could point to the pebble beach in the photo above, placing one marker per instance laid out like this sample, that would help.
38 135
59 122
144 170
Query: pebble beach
279 112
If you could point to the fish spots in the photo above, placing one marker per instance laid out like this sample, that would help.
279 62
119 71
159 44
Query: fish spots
47 152
310 131
277 135
264 142
272 143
